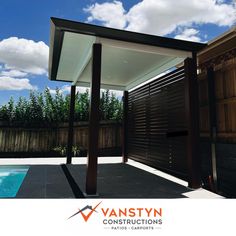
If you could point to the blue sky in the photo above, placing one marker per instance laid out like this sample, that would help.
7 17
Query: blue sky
24 37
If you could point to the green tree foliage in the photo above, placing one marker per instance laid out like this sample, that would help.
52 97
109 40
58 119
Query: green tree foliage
44 109
21 110
7 112
82 106
35 108
110 106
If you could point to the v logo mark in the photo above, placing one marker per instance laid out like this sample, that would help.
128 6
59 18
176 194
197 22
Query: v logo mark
86 217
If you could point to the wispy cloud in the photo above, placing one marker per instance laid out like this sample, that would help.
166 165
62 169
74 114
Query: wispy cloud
12 73
63 89
66 89
189 35
9 83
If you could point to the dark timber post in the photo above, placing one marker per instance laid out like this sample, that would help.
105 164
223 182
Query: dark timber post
91 178
212 119
124 128
71 124
192 114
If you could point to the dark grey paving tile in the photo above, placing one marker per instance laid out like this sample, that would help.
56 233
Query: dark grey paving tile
58 191
125 181
34 190
114 181
45 181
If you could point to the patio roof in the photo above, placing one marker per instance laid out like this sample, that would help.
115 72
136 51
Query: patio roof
128 58
100 57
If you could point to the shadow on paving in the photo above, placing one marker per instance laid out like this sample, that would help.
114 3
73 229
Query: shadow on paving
125 181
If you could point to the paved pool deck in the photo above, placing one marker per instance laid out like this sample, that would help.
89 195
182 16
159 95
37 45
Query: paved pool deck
51 178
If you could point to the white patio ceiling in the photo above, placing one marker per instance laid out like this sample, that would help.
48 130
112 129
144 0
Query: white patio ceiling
124 64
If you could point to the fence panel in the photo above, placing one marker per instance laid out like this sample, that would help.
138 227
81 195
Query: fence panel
16 139
225 101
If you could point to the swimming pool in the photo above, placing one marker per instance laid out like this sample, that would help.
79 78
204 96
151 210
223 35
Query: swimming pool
11 178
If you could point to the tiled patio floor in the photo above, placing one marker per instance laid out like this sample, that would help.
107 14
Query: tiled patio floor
46 179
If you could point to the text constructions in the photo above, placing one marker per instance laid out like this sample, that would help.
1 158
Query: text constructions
133 221
132 218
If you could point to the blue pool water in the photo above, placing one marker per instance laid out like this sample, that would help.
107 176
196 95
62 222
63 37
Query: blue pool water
11 178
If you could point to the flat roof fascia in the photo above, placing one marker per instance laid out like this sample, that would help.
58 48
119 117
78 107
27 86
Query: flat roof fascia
100 31
55 47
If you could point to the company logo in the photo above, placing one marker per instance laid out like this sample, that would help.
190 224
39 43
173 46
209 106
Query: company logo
123 218
86 216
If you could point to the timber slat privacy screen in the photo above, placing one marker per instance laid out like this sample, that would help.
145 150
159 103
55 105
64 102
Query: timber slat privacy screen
157 129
